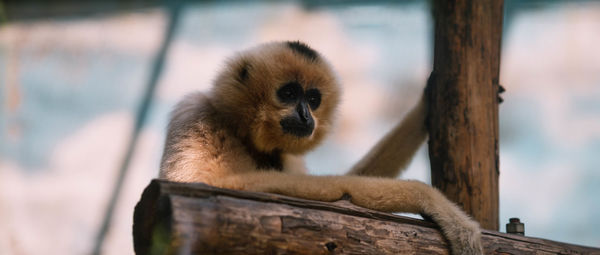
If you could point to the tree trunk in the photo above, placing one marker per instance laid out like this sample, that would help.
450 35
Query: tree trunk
180 218
463 114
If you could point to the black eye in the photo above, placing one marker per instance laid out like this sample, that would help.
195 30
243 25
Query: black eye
289 92
313 96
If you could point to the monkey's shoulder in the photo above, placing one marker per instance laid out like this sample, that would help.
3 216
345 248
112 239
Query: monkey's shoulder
195 118
193 108
199 145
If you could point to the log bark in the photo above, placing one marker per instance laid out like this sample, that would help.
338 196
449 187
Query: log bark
178 218
463 116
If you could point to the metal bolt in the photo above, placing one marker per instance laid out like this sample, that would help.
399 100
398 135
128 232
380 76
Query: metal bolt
515 226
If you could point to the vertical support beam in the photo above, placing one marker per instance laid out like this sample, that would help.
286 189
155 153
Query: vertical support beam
463 115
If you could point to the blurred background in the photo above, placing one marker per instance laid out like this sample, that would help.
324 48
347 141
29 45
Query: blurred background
76 75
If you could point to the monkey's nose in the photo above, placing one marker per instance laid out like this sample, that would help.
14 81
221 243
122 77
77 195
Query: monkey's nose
304 113
300 123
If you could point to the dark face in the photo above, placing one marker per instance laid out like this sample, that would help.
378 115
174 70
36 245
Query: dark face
300 123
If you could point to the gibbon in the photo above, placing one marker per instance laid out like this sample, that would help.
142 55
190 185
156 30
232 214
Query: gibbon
272 104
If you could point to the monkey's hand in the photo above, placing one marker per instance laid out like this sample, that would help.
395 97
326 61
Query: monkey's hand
463 234
380 194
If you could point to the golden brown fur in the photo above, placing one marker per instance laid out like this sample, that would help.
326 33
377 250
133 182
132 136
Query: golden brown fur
232 138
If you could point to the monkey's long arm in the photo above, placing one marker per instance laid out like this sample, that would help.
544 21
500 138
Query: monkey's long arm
395 150
380 194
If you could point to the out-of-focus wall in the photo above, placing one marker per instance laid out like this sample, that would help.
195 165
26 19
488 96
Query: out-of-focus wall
69 90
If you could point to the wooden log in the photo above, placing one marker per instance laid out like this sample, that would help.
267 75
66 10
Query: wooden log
179 218
463 116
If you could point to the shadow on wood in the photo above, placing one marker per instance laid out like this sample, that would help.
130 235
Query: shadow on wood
184 218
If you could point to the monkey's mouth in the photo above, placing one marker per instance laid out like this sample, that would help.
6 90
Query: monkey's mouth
297 128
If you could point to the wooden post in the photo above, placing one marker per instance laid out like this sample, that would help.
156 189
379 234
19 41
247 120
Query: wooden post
463 116
186 218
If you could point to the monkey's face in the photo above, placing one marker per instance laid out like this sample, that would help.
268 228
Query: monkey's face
300 122
283 97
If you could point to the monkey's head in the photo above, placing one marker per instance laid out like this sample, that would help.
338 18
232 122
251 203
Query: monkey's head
278 96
